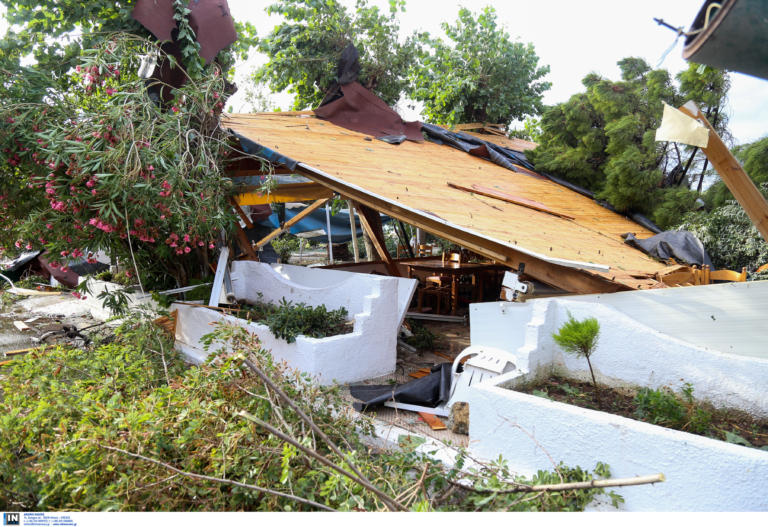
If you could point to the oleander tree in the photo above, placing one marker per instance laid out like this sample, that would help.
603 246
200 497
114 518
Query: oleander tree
89 162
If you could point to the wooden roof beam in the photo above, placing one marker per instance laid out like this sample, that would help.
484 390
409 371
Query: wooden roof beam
738 182
566 278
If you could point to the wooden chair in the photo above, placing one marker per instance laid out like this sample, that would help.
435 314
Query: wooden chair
425 249
724 275
439 279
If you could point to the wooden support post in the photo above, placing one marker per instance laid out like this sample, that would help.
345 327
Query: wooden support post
371 222
353 230
288 224
243 215
732 174
244 243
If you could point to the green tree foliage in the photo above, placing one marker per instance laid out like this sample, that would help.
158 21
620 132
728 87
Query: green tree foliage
730 237
754 158
580 338
71 420
481 75
604 138
304 50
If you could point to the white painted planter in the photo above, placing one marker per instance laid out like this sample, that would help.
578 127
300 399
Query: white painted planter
376 303
702 473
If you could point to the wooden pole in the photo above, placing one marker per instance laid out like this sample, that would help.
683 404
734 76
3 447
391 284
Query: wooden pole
288 224
371 222
353 230
732 174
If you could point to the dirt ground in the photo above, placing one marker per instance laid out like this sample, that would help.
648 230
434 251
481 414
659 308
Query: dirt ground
451 339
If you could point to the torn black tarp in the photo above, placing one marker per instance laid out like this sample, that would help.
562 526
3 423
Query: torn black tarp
477 147
683 246
429 391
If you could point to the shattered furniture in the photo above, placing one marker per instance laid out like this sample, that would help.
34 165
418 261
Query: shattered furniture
377 304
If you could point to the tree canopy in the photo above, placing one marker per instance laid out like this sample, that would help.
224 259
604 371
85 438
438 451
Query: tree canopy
481 75
604 138
303 50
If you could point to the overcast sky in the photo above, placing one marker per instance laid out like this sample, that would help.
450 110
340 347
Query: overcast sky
573 38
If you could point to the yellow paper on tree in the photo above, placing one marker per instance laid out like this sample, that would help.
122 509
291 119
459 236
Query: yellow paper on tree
678 127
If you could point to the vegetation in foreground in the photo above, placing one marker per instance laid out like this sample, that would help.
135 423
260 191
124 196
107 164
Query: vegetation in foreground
126 425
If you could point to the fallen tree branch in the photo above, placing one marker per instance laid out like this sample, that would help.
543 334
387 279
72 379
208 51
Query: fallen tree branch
388 501
577 485
219 480
322 459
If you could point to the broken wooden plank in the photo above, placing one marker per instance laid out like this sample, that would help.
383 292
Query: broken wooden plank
433 421
20 352
241 213
509 198
738 182
245 244
21 326
290 223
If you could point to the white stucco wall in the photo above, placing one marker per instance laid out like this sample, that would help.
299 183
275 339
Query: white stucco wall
628 352
376 303
702 474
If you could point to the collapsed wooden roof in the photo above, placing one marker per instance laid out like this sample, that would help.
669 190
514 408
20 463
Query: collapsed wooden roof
563 238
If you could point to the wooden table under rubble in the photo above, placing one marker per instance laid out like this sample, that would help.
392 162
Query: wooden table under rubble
455 270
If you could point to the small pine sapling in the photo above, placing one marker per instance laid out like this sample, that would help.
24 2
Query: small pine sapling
580 338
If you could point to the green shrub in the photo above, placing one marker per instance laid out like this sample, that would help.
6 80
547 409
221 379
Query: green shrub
63 412
580 338
422 339
663 407
287 320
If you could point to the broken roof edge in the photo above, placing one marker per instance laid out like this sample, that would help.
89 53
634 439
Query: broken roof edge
587 266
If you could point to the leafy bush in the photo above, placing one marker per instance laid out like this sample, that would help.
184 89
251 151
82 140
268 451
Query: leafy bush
287 320
580 338
730 237
108 428
285 245
422 338
663 407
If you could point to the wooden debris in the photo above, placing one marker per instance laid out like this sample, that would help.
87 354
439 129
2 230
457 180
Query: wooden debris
19 352
21 326
433 421
418 374
168 323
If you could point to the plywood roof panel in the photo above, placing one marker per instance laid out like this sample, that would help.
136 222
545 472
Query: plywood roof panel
416 175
